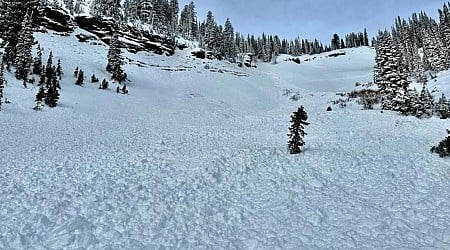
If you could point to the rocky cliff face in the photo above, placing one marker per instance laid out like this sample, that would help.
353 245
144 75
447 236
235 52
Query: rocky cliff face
130 38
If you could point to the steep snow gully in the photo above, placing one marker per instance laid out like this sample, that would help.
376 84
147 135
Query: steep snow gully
197 159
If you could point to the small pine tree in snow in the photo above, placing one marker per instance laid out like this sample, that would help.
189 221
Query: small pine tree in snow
59 71
104 84
51 83
124 89
42 78
297 130
80 79
49 86
94 79
442 107
40 96
426 100
443 149
52 95
75 72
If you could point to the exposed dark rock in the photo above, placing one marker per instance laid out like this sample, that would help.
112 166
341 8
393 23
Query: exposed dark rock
83 38
133 39
55 19
182 46
336 54
295 59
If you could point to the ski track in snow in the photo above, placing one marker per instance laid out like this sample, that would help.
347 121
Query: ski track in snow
198 160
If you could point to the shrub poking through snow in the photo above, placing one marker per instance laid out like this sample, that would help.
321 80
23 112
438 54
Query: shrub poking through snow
443 149
297 131
94 79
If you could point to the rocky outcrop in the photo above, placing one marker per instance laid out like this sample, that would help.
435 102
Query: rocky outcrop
54 19
130 38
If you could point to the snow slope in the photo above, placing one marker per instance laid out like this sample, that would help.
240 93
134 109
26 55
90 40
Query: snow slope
197 159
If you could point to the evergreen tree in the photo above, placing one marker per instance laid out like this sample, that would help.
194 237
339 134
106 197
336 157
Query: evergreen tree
297 130
427 100
390 75
366 38
40 96
77 8
443 149
94 78
2 85
52 95
335 42
104 84
174 9
210 32
51 83
13 13
48 86
442 107
59 71
114 65
24 45
37 63
69 4
188 22
80 78
106 8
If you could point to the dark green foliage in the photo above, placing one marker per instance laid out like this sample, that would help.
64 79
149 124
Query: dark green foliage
80 78
13 13
94 79
40 96
115 61
124 89
297 131
442 107
335 42
23 59
37 63
106 8
2 85
59 71
443 149
48 86
52 95
104 84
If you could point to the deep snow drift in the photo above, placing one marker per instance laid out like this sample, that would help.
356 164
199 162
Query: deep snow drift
195 158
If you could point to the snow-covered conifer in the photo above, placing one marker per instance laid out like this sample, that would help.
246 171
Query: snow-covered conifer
2 85
80 78
297 130
114 65
443 149
37 62
23 59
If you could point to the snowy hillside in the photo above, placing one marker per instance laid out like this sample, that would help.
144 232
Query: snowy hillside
195 157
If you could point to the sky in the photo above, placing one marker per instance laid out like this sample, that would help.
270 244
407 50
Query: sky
311 18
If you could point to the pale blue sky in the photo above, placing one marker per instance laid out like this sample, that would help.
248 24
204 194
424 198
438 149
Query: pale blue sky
311 18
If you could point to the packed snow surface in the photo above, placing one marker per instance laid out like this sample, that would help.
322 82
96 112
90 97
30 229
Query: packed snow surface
195 157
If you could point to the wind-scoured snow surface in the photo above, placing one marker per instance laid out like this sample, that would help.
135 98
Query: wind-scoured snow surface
197 159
